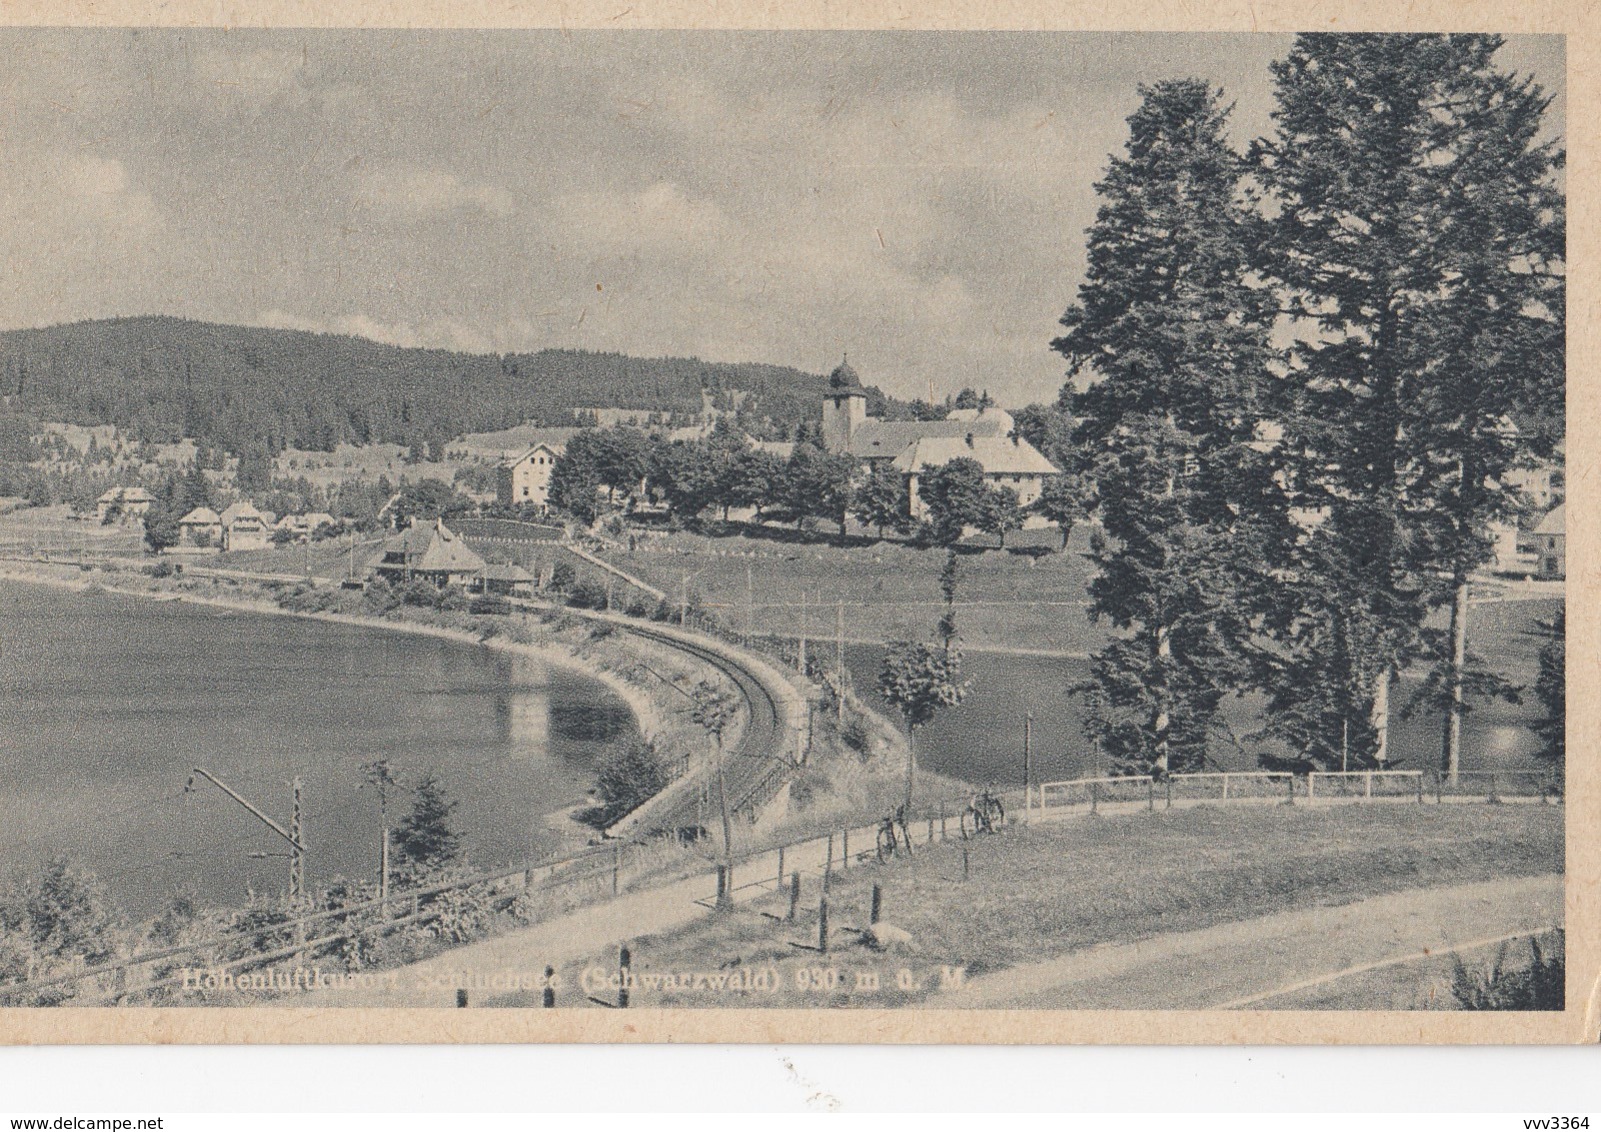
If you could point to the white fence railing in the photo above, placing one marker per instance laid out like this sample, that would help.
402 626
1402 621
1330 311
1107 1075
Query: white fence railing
1053 799
1332 784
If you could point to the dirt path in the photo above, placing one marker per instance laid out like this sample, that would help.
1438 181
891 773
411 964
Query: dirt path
1227 965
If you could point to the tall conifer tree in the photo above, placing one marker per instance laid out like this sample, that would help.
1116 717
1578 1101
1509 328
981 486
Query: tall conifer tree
1170 337
1415 228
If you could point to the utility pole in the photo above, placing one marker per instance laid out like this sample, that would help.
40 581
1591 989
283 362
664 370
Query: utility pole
292 835
839 657
750 609
802 661
297 855
1028 763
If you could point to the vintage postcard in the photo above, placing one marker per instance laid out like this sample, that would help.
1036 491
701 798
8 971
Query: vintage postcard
1015 525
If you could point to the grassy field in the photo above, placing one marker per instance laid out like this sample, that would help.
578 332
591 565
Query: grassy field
890 590
1423 984
1034 894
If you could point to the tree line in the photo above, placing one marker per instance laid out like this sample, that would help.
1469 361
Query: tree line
1300 376
255 391
622 467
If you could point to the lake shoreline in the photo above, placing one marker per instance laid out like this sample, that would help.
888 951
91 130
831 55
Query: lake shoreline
646 702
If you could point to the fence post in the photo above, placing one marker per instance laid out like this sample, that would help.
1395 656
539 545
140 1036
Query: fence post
1495 795
845 849
625 962
616 867
549 997
822 921
1311 784
780 868
1150 795
964 861
1225 786
1168 782
1095 796
942 821
878 903
1439 788
723 898
794 895
828 862
1420 788
1289 795
1367 785
930 831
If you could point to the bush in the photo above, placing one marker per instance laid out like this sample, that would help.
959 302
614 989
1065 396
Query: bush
588 595
638 608
627 779
164 569
423 594
562 577
490 604
1539 986
855 735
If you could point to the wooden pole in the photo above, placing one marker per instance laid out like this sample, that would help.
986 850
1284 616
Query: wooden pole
878 903
1028 765
625 962
794 896
839 659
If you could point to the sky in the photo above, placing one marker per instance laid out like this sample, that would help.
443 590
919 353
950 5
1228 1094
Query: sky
916 200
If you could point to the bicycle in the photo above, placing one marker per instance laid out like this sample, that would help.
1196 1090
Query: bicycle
984 814
889 844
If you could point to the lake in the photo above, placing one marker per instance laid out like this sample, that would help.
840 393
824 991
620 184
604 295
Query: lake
981 741
108 701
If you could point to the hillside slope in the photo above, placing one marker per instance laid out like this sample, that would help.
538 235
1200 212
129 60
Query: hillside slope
246 388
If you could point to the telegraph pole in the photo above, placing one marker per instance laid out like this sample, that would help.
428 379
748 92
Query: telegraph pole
839 657
1028 763
297 854
297 847
802 661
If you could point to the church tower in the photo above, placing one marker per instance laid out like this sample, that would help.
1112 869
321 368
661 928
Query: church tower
844 408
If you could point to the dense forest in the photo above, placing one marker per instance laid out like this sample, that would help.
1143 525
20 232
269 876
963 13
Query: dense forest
250 389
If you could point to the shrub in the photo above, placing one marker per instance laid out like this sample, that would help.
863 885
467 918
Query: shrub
1539 986
490 604
163 569
638 608
562 577
588 595
627 779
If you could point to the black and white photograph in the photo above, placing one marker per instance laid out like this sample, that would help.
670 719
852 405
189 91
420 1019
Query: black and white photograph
595 531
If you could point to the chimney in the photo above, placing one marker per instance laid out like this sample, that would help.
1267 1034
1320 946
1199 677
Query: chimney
970 440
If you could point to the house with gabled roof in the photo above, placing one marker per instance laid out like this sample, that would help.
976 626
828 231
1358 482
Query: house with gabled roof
525 480
427 549
244 527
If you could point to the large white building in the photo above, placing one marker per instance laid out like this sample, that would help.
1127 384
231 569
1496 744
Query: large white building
986 435
525 480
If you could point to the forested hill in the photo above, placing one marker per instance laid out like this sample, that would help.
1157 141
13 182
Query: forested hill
248 387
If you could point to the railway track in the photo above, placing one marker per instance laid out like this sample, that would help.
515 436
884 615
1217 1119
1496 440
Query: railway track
750 764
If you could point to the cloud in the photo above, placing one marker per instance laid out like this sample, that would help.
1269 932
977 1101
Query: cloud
397 194
432 334
254 77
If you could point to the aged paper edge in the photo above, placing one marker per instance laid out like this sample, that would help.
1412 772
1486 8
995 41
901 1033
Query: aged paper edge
1579 1023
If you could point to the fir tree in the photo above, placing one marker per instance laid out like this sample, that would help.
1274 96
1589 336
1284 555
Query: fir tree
425 837
1416 232
1172 339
